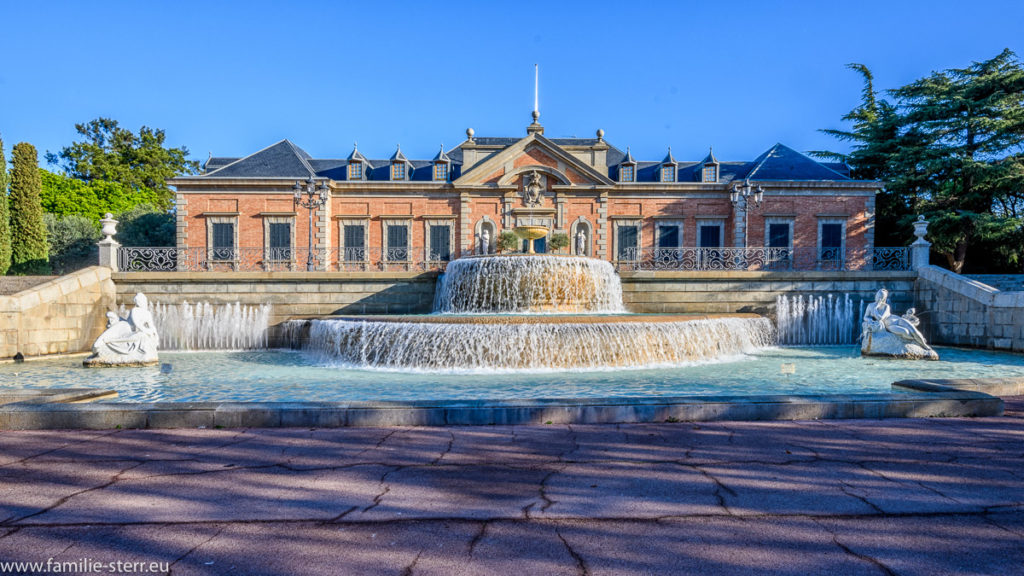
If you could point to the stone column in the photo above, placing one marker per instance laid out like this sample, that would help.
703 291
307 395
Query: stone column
108 246
921 248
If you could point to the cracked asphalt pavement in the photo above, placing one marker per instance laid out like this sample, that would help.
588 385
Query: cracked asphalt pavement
934 496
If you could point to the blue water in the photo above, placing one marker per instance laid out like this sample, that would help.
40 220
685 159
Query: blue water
277 375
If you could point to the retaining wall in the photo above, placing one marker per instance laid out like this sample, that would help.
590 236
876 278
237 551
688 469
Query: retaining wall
63 315
736 291
290 293
959 311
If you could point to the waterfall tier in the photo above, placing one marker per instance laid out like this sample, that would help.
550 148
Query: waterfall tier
529 284
574 342
204 326
817 320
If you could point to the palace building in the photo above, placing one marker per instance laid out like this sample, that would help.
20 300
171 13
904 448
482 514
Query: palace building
781 209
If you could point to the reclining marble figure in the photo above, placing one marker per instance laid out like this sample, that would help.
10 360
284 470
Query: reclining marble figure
885 334
130 341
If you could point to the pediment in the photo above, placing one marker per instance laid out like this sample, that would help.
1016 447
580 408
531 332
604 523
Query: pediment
533 152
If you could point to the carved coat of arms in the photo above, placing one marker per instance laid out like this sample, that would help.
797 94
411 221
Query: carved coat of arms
533 189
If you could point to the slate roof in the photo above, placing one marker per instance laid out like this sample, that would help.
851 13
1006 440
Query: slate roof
286 160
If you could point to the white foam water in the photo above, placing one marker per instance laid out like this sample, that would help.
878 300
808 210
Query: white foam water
444 347
816 320
529 284
205 326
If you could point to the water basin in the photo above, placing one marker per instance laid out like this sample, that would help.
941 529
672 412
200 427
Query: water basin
280 375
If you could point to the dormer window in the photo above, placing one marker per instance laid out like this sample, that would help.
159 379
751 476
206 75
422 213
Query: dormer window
627 168
399 165
709 174
441 162
356 161
668 168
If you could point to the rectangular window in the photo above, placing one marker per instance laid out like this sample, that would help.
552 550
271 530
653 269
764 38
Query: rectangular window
355 171
398 243
627 240
668 173
668 236
440 242
778 235
441 172
354 243
711 173
830 244
279 236
398 171
709 236
779 238
223 241
627 173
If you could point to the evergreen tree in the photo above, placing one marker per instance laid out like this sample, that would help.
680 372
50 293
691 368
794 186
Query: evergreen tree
5 216
110 153
951 147
28 233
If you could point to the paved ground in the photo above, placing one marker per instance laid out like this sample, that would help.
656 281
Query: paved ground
940 496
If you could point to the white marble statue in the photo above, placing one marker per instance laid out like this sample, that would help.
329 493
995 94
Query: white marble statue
130 341
885 334
485 242
581 243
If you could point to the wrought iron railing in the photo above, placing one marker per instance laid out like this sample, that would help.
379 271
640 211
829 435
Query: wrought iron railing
147 259
144 259
762 259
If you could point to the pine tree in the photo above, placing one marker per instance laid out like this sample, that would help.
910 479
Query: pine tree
28 233
5 216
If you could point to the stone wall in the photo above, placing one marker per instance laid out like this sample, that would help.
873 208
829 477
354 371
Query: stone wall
322 293
959 311
291 293
60 316
726 291
1002 282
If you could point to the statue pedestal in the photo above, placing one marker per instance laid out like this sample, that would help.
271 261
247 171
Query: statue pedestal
883 343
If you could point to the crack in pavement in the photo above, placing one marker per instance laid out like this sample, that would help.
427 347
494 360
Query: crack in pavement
843 486
409 569
478 537
59 448
548 502
337 518
719 487
170 569
447 449
850 552
64 499
581 564
386 488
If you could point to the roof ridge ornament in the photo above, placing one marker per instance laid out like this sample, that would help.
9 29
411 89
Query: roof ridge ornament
535 127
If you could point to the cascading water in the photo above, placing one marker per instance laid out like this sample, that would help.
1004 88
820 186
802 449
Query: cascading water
540 313
817 320
436 346
529 284
204 326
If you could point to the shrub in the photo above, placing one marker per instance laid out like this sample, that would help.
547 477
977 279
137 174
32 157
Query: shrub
146 225
558 241
28 234
72 240
508 242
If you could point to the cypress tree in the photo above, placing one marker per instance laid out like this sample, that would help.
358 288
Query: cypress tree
5 216
28 233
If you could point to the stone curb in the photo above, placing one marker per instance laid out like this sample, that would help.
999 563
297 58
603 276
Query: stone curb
947 402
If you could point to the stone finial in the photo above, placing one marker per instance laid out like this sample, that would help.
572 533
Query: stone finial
600 135
469 134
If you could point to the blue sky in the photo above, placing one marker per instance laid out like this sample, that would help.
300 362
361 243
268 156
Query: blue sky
234 77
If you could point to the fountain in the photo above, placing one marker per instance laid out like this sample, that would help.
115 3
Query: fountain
529 312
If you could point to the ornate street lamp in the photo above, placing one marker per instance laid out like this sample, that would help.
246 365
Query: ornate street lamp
745 191
310 197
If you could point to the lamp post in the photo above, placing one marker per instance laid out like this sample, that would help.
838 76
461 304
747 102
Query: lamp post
310 196
745 191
